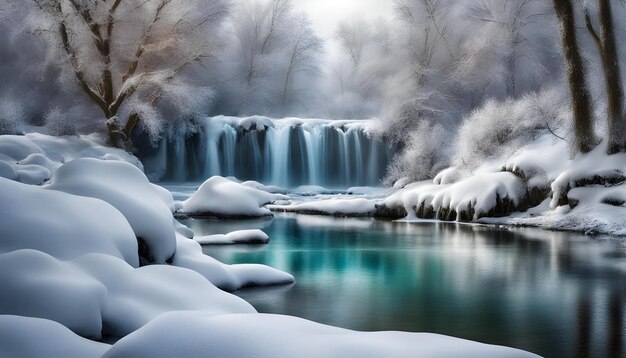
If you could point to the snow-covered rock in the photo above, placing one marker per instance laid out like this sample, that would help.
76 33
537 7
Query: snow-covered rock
186 334
333 206
98 294
62 225
221 197
253 236
126 188
481 195
34 337
228 277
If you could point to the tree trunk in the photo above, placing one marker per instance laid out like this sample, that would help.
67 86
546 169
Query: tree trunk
612 75
576 76
114 132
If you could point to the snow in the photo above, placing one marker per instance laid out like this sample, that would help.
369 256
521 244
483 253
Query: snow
475 196
253 236
35 156
34 337
126 188
312 190
333 206
35 218
588 195
99 294
273 189
186 334
221 197
228 277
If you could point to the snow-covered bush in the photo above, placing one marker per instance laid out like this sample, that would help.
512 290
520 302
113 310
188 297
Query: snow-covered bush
11 115
423 157
60 123
498 129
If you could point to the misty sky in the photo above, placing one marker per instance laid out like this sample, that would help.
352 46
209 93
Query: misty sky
326 14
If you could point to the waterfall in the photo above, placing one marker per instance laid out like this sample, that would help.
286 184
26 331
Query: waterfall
286 152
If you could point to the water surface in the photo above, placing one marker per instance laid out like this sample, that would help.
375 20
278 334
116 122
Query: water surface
556 294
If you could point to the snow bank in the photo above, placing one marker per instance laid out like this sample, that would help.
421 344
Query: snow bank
98 294
253 236
228 277
35 156
126 188
485 194
34 337
261 335
64 226
588 195
333 206
136 296
221 197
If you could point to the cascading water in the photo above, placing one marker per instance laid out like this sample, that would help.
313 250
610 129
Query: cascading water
287 152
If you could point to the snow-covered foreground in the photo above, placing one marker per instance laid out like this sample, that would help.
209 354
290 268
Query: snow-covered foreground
95 252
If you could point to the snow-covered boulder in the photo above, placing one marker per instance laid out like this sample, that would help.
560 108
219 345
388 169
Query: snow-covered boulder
126 188
34 337
254 236
221 197
186 334
228 277
62 225
588 169
481 195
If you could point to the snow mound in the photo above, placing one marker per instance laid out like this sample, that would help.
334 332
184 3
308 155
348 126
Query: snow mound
185 334
221 197
64 226
228 277
334 207
35 156
253 236
482 195
273 189
126 188
98 294
35 337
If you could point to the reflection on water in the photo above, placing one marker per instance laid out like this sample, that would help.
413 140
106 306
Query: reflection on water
555 294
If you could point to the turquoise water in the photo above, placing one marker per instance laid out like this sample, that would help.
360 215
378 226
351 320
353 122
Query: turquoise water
555 294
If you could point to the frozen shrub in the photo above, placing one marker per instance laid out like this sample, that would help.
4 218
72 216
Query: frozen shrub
422 158
59 123
11 115
499 128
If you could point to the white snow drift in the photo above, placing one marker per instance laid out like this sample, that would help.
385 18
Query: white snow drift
253 236
221 197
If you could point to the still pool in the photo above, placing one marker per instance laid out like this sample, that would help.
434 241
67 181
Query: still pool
552 293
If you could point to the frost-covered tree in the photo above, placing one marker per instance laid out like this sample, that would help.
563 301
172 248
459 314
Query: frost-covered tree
126 55
509 23
11 115
273 47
